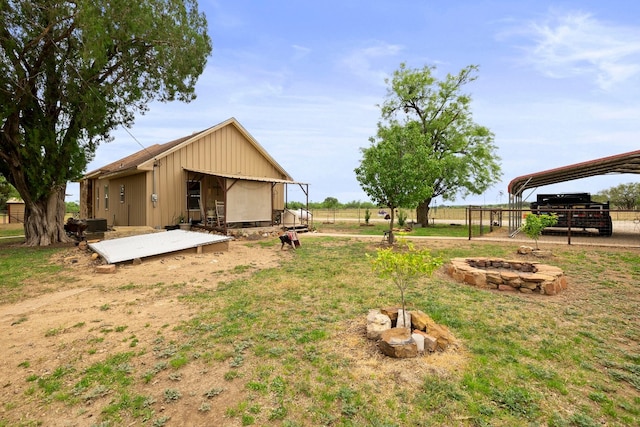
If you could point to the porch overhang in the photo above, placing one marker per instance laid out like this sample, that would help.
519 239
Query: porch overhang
235 178
243 177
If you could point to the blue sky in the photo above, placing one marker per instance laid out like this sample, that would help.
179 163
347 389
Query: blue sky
558 83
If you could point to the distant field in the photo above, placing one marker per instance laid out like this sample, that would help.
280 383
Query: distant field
434 213
453 214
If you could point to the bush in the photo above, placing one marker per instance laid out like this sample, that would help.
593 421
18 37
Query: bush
402 218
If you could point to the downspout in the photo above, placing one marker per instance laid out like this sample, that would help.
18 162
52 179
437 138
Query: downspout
154 194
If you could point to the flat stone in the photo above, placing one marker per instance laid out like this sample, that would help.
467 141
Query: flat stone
525 250
430 342
550 288
106 269
372 315
376 324
420 320
563 283
537 277
441 334
419 340
494 277
529 285
509 275
542 253
516 283
405 348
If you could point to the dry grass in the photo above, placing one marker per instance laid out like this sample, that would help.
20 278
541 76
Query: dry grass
257 344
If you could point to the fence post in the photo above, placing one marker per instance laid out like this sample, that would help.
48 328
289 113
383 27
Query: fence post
569 216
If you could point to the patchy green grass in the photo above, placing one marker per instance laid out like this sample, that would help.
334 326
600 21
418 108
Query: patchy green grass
7 231
21 267
287 346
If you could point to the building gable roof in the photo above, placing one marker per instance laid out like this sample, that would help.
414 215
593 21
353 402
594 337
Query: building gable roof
144 159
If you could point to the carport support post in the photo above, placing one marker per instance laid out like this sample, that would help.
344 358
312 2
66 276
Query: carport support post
569 216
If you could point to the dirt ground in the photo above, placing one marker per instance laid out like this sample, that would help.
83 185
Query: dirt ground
72 320
70 323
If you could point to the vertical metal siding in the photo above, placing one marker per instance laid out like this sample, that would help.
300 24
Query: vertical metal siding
225 151
131 212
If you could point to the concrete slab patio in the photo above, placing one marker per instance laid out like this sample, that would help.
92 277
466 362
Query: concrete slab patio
152 244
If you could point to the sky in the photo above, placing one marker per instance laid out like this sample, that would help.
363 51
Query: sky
558 83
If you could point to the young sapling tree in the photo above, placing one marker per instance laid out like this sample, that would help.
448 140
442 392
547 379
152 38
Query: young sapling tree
405 266
534 224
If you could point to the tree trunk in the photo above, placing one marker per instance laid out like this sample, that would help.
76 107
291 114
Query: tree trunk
44 220
422 212
391 236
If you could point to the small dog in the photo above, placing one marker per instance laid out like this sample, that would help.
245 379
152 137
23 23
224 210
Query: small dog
286 240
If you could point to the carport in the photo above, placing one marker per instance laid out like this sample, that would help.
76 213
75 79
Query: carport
618 164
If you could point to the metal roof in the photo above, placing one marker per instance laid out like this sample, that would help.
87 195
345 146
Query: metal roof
144 159
620 163
130 163
145 245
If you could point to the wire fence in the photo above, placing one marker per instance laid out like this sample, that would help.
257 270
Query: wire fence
624 223
480 221
435 214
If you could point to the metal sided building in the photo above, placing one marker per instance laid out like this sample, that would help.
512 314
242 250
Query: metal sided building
220 176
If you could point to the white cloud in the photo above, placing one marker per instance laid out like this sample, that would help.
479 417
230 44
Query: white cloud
578 44
360 62
300 52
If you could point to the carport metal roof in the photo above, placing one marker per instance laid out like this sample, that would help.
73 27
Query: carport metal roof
620 163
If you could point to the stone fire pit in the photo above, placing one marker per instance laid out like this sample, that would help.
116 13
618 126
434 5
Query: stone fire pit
508 275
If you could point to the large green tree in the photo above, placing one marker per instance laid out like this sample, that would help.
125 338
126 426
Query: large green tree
331 203
455 155
73 70
390 170
623 196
